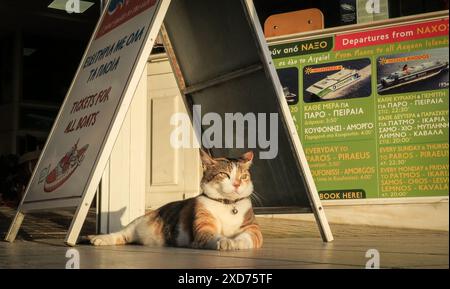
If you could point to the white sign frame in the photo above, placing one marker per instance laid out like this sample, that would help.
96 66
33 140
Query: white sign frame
83 204
313 195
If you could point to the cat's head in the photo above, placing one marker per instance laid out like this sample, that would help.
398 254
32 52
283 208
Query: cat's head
227 178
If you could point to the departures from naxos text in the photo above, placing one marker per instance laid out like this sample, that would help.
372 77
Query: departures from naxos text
208 280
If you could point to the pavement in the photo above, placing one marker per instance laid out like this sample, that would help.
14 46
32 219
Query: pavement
289 244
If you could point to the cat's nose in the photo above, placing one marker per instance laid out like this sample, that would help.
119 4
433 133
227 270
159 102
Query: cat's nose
236 184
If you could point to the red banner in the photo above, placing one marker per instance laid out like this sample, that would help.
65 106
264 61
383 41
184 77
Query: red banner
120 11
392 35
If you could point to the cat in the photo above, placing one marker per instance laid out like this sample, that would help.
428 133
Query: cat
221 218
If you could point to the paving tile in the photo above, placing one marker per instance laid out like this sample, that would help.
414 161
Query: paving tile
288 244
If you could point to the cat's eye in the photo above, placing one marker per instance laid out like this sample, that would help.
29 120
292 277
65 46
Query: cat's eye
223 174
244 177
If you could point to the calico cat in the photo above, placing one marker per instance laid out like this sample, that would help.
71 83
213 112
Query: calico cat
221 218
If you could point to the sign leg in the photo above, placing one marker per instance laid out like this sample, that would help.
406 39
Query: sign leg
15 226
322 222
313 196
78 220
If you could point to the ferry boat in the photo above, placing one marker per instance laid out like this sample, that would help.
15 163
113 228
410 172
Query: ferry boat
65 168
333 83
412 74
291 98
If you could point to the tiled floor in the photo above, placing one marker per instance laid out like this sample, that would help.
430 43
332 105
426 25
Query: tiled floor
288 244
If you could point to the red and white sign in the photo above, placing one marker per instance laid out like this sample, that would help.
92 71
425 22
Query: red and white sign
81 141
120 11
395 34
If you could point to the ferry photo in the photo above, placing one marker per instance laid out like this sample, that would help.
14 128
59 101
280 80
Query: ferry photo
421 71
341 80
289 81
334 83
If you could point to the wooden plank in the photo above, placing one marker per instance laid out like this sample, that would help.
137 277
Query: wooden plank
139 130
165 159
294 22
399 248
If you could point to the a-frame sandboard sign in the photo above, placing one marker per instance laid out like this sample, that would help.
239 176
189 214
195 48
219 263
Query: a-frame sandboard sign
82 138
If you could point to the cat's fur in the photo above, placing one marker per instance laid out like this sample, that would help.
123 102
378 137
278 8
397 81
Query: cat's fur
203 222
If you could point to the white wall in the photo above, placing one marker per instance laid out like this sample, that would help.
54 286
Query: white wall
122 197
173 174
144 171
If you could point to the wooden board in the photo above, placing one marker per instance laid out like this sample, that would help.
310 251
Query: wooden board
294 22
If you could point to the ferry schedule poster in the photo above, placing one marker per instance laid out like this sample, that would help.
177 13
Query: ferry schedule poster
371 107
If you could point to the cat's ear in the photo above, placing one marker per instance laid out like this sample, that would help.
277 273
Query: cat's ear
247 159
207 160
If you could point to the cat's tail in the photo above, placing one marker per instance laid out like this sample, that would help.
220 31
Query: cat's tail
123 237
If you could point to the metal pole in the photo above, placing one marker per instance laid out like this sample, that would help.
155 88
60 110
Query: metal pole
102 5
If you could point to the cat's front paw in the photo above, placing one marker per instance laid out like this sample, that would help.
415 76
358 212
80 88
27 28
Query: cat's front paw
225 244
100 240
242 244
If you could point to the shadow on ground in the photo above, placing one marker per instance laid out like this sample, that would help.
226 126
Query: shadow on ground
46 225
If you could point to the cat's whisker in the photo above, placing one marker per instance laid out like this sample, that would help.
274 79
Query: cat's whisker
256 198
